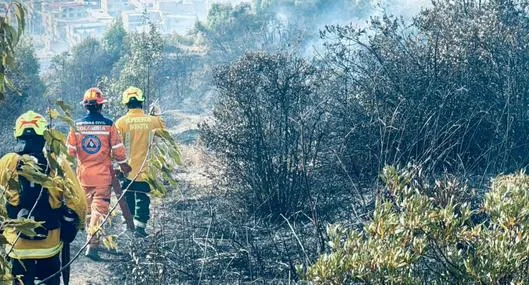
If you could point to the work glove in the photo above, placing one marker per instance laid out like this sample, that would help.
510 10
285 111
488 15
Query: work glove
23 214
125 168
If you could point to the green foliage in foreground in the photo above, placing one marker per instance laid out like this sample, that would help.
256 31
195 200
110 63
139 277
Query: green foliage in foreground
413 239
164 160
12 26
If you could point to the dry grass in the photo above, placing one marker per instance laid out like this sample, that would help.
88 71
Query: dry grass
199 236
195 163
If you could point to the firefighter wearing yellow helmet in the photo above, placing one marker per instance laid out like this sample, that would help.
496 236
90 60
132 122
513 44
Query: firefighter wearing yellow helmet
137 130
132 94
61 215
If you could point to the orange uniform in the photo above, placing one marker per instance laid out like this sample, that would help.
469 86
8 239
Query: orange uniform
94 143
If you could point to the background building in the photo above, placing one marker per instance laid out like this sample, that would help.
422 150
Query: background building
56 25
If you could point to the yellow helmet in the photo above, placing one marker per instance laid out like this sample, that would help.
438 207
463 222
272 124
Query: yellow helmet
132 92
29 123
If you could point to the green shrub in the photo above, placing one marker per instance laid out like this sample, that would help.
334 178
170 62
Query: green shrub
411 239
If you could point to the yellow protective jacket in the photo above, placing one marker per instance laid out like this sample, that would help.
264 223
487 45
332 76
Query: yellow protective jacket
137 130
73 198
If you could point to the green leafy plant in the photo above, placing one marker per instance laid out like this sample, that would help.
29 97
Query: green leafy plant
413 240
164 160
10 34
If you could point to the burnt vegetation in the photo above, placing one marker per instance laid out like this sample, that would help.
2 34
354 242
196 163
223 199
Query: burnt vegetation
303 139
305 111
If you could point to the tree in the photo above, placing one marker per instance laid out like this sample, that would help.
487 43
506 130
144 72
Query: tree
25 75
179 75
231 31
115 41
446 91
73 73
141 67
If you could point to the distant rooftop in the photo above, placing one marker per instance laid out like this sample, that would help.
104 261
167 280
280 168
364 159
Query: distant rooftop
63 5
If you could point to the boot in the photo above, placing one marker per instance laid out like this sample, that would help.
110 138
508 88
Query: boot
140 232
92 253
124 226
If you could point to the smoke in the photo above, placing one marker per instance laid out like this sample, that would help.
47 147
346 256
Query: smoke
404 8
351 11
345 12
309 17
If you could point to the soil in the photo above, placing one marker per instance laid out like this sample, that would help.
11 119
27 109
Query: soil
85 271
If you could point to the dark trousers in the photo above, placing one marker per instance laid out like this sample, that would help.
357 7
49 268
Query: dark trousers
138 200
28 269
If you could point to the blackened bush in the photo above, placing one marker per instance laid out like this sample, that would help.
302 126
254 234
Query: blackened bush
448 91
270 128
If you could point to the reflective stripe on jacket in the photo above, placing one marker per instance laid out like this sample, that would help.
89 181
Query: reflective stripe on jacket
33 249
95 143
137 130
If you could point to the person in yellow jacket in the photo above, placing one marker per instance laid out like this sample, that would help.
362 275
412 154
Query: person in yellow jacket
137 130
61 211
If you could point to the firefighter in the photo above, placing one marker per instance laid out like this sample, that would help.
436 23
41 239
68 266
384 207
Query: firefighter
95 142
61 215
137 130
